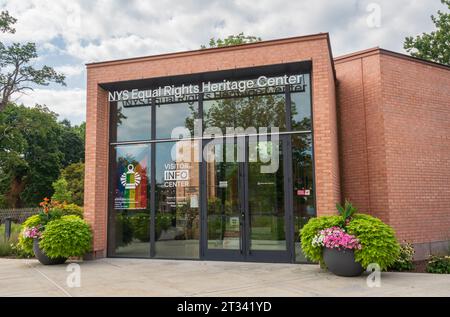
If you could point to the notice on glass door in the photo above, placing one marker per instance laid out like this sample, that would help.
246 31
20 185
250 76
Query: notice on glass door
131 186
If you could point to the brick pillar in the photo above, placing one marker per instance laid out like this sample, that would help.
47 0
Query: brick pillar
96 169
326 156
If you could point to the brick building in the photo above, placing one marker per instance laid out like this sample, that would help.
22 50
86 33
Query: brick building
373 127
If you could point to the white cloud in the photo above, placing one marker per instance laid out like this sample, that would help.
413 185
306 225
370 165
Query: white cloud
106 29
73 32
68 103
70 70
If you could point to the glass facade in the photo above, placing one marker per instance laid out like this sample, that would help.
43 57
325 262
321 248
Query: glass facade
224 194
130 214
177 227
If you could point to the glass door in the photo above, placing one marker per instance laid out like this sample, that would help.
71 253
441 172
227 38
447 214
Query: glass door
245 201
224 202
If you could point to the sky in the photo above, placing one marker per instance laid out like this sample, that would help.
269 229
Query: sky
70 33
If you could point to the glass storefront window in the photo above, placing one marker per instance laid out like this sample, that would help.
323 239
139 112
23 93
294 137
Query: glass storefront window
257 111
245 202
130 201
131 123
301 108
170 116
266 196
177 227
302 170
223 187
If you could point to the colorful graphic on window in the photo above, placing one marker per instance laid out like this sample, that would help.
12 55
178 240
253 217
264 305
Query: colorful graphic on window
131 186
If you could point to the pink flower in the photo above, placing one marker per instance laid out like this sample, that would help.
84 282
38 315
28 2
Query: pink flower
337 238
32 233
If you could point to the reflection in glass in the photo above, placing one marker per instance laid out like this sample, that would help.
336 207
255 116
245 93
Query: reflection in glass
302 168
131 208
257 111
223 206
266 197
132 123
223 188
170 116
301 108
177 227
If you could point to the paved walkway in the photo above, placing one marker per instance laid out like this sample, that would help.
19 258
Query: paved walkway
130 277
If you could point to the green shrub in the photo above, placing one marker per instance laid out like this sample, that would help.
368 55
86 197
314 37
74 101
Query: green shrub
140 223
310 230
25 245
66 210
439 265
377 239
66 237
404 261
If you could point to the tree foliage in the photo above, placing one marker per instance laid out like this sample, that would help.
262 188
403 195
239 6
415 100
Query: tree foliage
231 40
17 74
34 147
74 175
6 22
62 193
434 46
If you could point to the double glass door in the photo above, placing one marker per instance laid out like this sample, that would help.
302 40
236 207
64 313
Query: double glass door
245 201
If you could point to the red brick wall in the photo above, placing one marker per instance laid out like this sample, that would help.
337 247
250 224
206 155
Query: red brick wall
315 48
361 137
416 103
394 125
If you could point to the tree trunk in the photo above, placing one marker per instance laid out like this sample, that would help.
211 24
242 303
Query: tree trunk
13 196
3 104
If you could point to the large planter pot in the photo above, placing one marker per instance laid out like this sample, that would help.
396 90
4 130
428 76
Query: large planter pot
43 258
342 262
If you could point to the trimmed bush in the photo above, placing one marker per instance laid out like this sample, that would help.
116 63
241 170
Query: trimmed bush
439 265
378 241
404 261
66 237
68 209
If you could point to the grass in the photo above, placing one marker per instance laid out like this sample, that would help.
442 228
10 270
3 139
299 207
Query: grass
15 229
5 245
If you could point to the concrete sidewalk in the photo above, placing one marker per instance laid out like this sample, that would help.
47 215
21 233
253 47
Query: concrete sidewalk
131 277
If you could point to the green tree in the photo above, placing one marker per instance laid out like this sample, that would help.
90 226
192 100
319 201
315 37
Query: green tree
74 174
231 40
434 46
17 74
62 193
30 158
72 144
6 22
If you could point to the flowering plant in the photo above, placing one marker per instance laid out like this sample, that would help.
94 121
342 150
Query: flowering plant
336 238
32 232
48 204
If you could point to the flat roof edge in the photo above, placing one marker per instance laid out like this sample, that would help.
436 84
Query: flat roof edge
210 50
378 50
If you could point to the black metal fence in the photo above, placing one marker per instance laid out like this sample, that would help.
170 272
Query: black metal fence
16 215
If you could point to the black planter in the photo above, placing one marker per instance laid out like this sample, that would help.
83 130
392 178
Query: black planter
43 258
342 262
